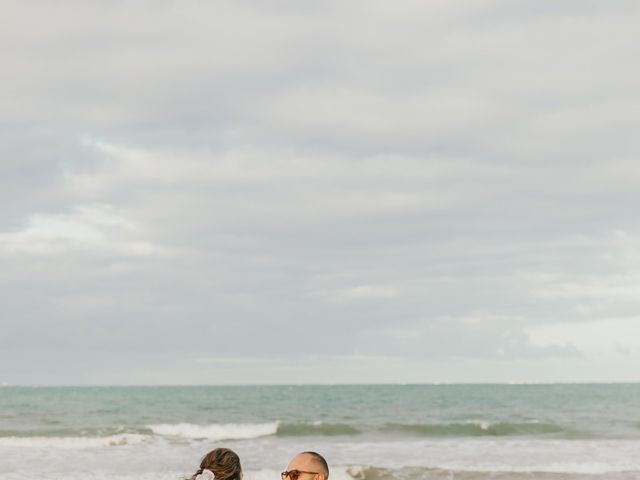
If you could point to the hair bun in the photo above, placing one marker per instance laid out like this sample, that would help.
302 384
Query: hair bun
206 475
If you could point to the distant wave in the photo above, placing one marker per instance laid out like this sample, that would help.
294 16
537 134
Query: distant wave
78 432
73 442
215 431
475 429
316 428
240 431
117 436
247 431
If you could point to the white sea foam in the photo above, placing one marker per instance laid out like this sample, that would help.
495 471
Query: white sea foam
483 424
489 455
73 442
216 431
351 459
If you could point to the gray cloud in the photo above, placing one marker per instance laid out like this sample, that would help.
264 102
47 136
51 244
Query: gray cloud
416 188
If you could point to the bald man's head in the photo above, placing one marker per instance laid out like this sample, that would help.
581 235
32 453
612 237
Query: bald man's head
312 464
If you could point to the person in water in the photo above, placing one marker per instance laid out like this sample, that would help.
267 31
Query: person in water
307 466
219 464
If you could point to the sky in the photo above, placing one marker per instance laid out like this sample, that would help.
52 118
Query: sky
233 192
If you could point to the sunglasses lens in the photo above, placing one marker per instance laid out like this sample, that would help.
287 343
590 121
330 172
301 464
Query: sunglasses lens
293 475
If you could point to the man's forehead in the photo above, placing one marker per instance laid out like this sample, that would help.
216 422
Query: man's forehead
303 462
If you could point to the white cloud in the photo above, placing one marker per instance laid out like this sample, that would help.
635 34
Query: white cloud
366 292
610 289
296 185
97 229
606 336
615 283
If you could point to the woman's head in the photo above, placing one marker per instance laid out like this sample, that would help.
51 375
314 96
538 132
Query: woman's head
224 463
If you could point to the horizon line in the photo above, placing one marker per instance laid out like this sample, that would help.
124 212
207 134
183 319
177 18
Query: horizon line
382 384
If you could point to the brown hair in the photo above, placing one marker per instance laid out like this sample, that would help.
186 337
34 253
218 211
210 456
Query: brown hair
224 463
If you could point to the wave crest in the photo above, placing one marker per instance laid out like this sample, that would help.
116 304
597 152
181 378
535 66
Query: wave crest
73 442
215 431
475 429
317 428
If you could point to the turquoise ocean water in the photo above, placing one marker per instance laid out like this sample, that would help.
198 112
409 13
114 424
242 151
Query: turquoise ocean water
366 432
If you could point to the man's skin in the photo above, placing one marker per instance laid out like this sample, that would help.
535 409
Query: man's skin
308 463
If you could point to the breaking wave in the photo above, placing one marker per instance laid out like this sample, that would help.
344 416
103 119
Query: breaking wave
316 428
475 429
215 431
73 442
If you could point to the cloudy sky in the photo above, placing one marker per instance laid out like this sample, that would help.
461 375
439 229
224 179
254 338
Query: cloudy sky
319 192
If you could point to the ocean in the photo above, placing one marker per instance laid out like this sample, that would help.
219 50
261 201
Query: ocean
366 432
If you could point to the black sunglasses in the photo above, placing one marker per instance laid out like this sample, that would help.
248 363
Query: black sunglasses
294 474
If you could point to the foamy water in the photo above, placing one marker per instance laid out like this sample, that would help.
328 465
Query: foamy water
229 431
